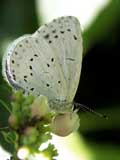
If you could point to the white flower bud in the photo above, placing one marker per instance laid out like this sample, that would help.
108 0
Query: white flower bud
40 107
64 124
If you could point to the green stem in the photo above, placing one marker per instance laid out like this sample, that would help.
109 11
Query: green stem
5 106
3 128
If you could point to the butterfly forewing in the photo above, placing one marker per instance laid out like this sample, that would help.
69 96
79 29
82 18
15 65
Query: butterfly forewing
49 61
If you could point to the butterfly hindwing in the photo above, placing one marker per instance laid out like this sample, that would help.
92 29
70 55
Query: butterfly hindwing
33 67
49 61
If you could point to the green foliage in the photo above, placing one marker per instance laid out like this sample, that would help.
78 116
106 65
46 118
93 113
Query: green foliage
103 25
26 130
5 108
50 151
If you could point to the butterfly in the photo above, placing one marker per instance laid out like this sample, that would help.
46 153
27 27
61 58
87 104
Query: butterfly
47 62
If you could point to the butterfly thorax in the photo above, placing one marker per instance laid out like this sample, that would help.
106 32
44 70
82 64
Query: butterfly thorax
61 106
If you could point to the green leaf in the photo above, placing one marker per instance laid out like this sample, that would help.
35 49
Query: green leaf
102 26
50 151
6 145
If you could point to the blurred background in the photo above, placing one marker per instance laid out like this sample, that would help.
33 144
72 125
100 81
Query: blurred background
99 87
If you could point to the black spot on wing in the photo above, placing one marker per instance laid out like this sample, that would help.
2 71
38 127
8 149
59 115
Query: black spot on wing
59 81
25 76
54 31
30 67
48 65
61 32
75 37
70 17
49 41
36 41
56 36
31 59
26 41
52 59
20 45
48 85
35 55
13 61
68 30
14 77
32 89
13 71
31 74
25 79
54 20
46 36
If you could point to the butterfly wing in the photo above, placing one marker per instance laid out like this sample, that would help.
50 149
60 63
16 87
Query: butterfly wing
47 62
31 64
65 39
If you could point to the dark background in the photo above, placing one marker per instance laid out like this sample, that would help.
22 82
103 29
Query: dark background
99 86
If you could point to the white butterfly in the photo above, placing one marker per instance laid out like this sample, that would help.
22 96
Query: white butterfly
47 62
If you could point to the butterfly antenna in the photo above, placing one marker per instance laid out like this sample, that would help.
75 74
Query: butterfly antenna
87 109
